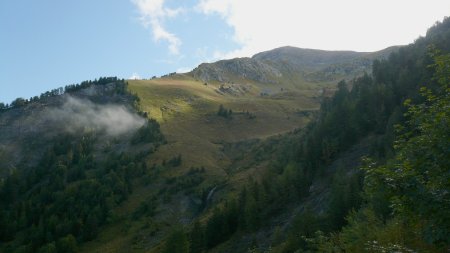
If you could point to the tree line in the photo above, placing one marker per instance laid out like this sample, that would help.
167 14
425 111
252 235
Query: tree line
120 86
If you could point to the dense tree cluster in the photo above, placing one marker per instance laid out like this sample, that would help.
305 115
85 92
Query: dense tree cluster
72 191
258 202
406 198
405 206
400 199
68 195
87 84
223 112
120 88
149 133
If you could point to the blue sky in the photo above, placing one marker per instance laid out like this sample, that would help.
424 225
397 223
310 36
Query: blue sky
47 44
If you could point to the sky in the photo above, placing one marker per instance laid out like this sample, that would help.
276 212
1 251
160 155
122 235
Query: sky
48 44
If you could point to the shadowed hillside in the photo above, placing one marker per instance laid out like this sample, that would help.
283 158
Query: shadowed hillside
292 150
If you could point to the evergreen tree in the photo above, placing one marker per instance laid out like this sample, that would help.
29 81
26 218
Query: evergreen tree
197 238
177 242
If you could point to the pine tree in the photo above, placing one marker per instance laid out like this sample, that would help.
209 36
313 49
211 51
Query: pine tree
177 242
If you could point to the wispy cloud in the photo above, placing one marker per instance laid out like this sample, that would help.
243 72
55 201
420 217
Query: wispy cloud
76 114
184 70
152 14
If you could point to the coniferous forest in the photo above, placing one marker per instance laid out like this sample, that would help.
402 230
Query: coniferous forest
378 148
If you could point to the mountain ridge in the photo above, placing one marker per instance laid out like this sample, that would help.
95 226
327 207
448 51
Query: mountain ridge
290 65
260 164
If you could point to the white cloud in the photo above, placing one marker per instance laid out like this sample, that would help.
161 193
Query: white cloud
324 24
152 14
359 25
134 76
184 70
76 114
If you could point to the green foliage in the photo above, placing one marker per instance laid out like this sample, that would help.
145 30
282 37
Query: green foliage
188 181
345 196
367 232
175 161
18 102
223 112
68 196
67 244
197 238
407 206
255 205
304 225
149 133
146 208
177 242
222 224
119 88
48 248
416 179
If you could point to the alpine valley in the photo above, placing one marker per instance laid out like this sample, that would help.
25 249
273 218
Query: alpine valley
291 150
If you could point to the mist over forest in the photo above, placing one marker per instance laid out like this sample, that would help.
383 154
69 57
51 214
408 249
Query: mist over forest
291 150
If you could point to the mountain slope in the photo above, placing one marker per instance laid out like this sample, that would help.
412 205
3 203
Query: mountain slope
188 113
291 67
264 160
306 58
316 177
58 112
73 160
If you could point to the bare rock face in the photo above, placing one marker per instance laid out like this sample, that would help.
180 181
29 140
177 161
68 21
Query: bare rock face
235 69
290 63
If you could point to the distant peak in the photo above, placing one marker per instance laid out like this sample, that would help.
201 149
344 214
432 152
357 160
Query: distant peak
270 66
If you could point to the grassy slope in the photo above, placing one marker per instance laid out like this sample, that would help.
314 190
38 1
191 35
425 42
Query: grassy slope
187 111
